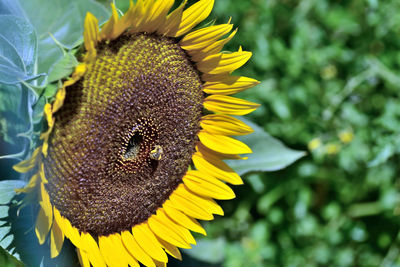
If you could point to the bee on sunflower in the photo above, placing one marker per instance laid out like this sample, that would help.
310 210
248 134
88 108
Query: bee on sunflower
136 137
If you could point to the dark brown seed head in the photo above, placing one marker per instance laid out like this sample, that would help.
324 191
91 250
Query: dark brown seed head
125 135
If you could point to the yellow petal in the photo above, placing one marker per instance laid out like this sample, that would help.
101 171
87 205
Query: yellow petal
27 165
205 185
214 166
189 207
146 239
182 219
107 251
144 14
157 15
133 247
66 227
45 198
107 31
220 156
170 249
223 63
50 122
43 224
181 230
56 239
83 258
91 31
203 37
223 144
69 231
207 203
123 253
211 49
224 125
42 176
48 112
125 21
111 251
229 85
138 17
194 15
58 102
163 228
92 249
45 216
229 105
79 71
171 24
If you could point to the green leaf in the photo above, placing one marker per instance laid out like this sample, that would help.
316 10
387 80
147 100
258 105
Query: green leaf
211 251
7 191
6 237
15 118
62 19
51 90
11 7
18 56
7 260
17 50
269 154
63 67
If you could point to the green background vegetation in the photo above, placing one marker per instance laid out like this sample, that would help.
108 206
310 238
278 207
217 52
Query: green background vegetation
328 70
326 67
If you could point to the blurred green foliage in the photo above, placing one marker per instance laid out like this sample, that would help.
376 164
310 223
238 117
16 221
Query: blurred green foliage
330 83
6 260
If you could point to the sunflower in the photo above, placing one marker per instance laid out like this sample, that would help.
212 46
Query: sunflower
136 137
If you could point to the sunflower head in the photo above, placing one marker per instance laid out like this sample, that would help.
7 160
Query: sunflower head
136 137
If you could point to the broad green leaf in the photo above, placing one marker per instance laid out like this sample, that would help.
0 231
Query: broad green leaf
62 20
51 90
17 50
11 7
269 154
16 103
38 110
18 55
